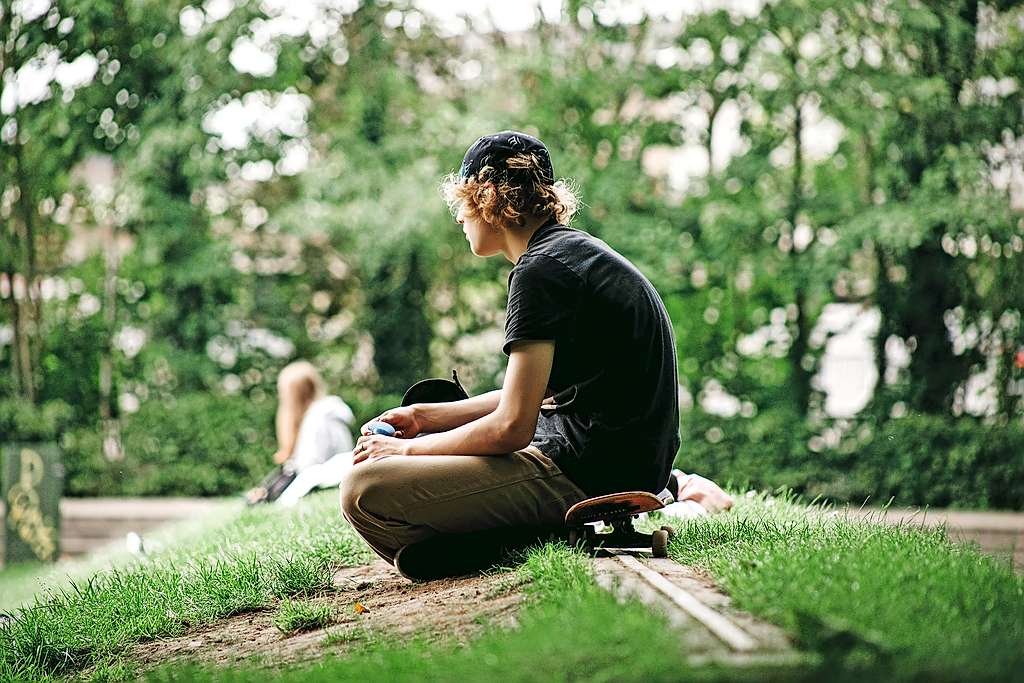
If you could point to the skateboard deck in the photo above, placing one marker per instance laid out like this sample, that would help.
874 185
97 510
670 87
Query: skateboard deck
614 505
617 511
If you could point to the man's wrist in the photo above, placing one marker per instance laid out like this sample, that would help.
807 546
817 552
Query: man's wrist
421 416
409 446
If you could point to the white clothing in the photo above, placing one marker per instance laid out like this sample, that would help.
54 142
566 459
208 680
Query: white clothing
324 475
324 431
685 509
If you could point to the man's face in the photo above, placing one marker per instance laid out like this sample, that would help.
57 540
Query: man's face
484 238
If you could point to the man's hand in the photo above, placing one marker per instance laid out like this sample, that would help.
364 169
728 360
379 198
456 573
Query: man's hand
280 457
369 447
406 422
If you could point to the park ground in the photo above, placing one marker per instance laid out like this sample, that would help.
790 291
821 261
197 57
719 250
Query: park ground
243 594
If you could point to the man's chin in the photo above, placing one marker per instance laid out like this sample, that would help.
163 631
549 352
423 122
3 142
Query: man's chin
482 254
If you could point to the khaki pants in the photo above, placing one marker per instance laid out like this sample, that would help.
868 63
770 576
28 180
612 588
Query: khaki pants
398 500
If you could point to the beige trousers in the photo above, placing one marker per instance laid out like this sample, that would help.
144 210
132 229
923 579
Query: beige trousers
398 500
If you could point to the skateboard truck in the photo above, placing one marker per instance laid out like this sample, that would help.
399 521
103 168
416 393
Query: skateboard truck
618 510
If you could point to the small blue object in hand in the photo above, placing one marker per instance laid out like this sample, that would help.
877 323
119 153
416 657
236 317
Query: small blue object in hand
382 428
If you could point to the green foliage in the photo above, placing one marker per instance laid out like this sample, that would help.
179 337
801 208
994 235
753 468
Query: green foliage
915 460
23 421
939 461
194 445
397 318
294 616
353 263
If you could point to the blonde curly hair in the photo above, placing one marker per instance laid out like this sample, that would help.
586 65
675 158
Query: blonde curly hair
505 199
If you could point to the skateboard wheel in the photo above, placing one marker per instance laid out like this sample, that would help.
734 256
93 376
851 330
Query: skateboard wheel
670 531
659 543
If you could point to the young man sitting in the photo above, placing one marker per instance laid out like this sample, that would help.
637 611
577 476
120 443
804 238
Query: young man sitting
588 406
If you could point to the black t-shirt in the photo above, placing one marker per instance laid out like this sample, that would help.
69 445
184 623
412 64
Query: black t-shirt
614 371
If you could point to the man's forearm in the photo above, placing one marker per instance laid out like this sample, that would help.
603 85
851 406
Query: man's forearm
440 417
488 435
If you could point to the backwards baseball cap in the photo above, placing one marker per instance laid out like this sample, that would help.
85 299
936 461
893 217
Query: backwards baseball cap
495 150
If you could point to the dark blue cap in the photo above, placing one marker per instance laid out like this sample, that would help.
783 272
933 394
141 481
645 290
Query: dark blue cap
494 151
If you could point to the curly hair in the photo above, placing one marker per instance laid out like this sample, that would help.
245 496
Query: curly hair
505 198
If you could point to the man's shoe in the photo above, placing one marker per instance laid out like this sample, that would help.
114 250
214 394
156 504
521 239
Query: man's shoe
448 555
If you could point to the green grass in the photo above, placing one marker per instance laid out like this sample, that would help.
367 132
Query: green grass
21 583
570 630
901 601
871 602
245 561
295 616
350 635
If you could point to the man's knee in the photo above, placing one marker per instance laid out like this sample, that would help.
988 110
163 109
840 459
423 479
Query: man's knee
364 491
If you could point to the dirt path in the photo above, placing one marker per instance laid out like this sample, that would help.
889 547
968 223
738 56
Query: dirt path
453 610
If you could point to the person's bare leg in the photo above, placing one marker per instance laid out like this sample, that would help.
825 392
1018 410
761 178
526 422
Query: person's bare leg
708 494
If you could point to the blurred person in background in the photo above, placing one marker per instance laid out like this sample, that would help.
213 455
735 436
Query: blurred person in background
312 428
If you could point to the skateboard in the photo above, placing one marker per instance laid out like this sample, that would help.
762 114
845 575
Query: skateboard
617 510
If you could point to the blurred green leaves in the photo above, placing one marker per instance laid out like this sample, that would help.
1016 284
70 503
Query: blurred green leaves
757 168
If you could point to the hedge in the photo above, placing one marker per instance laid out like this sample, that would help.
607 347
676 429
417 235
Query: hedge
197 445
915 460
207 445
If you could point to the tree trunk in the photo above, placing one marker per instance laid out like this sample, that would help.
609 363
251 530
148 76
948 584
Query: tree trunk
935 371
715 107
31 313
15 340
109 320
801 377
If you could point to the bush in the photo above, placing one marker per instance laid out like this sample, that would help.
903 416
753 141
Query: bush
918 460
24 421
197 445
946 462
205 445
366 410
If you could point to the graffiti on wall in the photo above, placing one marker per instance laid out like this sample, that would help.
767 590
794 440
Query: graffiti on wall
32 509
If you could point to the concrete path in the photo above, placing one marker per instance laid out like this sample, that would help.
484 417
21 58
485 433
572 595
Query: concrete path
711 629
88 524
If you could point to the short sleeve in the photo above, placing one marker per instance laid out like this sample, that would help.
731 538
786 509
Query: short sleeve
543 298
